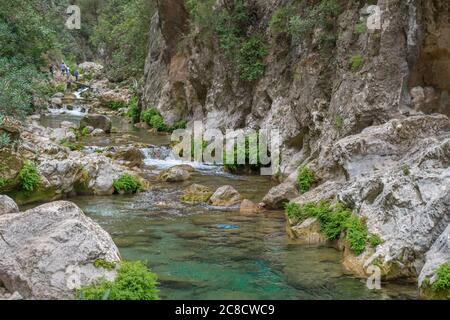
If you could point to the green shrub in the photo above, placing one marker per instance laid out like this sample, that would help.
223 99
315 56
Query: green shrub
100 263
134 282
251 59
29 178
442 284
157 122
374 240
116 105
182 124
251 149
360 28
333 221
133 110
339 122
5 140
356 63
406 170
147 115
128 184
356 234
305 179
72 146
280 19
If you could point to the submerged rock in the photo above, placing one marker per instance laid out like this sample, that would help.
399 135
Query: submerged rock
97 121
225 196
49 251
175 174
196 193
249 207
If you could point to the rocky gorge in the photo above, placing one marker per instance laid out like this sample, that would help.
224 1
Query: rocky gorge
89 181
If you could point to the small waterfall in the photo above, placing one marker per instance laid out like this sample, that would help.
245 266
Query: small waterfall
161 158
74 110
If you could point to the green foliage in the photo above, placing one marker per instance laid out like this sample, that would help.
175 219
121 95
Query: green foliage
182 124
333 221
100 263
116 105
406 170
5 140
251 59
280 20
356 234
128 184
29 178
322 15
251 149
339 122
360 28
374 240
72 146
134 282
133 110
305 179
157 122
148 114
442 284
356 63
122 31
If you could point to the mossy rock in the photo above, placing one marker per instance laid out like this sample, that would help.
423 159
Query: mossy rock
196 193
41 194
11 163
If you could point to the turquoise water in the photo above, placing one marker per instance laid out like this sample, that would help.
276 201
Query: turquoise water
199 252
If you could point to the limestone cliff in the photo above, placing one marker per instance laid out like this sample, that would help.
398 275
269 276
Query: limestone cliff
353 103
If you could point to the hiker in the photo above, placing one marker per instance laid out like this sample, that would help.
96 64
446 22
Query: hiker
68 72
77 75
51 68
63 68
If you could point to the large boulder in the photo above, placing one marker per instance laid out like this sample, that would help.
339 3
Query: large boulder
175 174
97 121
7 205
49 251
279 195
249 207
225 196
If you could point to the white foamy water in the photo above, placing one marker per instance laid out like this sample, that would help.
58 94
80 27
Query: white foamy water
75 111
79 92
162 158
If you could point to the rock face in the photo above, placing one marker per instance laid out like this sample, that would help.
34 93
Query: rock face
7 205
175 174
225 196
51 250
97 121
438 255
399 181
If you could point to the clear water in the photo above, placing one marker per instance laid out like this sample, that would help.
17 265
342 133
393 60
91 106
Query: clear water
200 252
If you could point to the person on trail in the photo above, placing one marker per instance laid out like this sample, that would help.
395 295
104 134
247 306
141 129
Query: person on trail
68 72
51 68
77 75
63 68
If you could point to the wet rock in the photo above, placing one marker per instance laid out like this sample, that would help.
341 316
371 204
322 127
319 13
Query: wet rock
308 232
97 121
7 205
132 156
175 174
59 245
97 133
225 196
279 195
56 102
196 193
59 95
249 207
